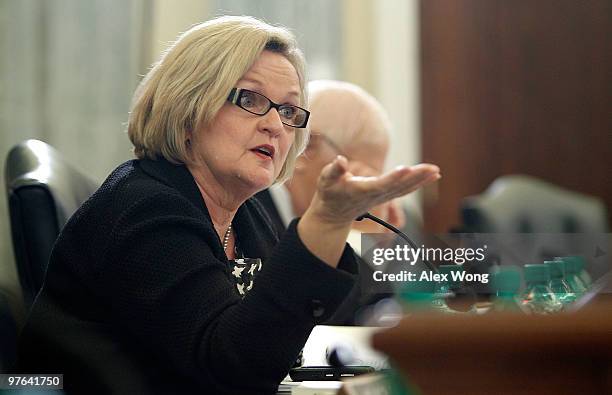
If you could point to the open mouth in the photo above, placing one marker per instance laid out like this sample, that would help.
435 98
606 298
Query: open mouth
266 151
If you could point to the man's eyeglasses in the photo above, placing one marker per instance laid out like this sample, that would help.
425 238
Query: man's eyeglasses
317 138
258 104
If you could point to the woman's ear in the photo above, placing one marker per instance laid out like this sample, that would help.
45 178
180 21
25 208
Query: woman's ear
188 138
188 141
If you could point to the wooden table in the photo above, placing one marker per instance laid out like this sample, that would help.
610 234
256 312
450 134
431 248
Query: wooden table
504 353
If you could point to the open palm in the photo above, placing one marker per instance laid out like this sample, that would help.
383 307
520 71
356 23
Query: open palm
342 196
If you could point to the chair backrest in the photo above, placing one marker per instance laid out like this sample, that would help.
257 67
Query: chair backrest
43 192
8 335
524 204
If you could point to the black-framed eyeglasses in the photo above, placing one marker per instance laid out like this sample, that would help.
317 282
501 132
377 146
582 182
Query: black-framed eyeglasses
258 104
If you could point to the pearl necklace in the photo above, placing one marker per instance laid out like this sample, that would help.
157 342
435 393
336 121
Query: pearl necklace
226 237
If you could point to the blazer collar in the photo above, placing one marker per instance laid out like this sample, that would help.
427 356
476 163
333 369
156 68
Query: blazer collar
251 223
176 176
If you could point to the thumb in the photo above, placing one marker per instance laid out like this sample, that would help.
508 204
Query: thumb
335 170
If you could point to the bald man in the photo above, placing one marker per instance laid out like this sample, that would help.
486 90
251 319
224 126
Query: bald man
345 120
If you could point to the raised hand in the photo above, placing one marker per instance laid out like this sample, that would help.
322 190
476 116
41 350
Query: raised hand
342 196
390 211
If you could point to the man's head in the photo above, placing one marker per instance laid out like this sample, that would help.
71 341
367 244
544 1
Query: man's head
345 120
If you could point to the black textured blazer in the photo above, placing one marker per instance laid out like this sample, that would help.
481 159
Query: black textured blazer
138 297
266 200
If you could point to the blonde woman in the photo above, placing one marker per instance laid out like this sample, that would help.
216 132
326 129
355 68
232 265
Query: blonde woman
170 278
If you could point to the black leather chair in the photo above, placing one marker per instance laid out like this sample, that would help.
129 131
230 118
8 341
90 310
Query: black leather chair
43 192
8 335
524 204
536 221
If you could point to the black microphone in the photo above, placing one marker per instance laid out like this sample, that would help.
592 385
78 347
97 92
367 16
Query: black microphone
397 232
465 291
339 355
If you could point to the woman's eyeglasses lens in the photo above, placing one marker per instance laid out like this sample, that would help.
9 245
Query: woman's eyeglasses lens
258 104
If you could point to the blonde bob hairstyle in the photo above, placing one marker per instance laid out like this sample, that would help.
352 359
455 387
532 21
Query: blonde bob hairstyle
188 86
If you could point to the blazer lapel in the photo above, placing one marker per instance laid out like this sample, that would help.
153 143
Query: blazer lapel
251 223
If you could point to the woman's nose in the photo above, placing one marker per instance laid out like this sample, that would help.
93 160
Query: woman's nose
271 123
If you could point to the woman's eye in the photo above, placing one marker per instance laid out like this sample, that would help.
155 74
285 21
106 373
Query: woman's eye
287 112
247 101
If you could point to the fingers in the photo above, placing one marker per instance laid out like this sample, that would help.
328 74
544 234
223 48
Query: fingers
396 183
416 184
409 188
426 167
403 178
343 196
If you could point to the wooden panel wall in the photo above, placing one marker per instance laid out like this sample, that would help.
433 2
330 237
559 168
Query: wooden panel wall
515 86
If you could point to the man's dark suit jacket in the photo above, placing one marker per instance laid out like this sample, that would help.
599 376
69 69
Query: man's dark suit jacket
138 297
265 198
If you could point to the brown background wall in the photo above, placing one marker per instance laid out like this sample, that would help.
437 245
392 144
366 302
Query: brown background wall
516 86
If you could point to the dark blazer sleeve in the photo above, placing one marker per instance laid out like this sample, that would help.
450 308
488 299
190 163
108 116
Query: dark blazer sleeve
169 290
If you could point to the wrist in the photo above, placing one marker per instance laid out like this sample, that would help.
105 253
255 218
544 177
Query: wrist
323 220
324 239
